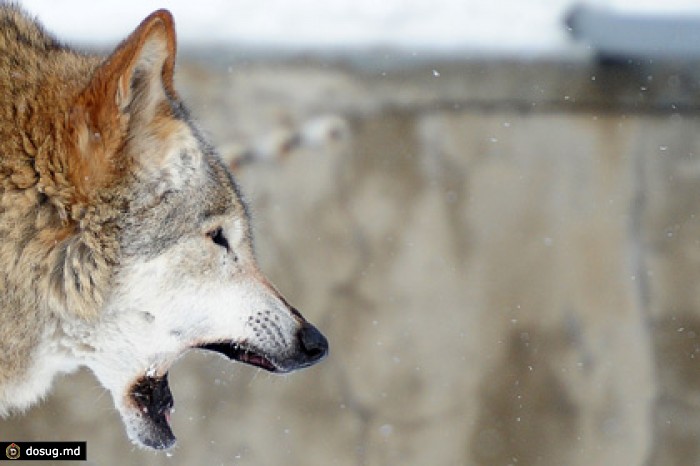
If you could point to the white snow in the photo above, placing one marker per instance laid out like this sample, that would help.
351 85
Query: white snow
490 26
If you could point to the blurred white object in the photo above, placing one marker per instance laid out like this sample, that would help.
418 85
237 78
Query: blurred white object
420 27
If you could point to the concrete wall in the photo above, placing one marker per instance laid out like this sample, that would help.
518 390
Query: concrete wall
504 256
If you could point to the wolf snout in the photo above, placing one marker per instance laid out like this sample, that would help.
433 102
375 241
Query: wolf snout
313 345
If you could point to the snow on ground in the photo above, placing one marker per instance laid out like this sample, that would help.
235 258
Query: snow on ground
483 26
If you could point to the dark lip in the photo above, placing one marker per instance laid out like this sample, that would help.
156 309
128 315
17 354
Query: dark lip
241 352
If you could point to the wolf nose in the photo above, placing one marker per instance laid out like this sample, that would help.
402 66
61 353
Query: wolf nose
313 344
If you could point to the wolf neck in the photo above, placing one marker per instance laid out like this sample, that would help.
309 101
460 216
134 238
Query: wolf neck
50 266
51 263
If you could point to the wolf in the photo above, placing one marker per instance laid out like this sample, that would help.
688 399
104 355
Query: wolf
124 240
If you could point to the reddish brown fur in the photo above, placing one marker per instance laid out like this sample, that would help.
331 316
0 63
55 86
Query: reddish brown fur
98 123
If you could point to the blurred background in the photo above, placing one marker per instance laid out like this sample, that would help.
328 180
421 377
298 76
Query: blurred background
490 207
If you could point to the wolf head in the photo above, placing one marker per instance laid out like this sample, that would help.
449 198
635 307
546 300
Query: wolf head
159 257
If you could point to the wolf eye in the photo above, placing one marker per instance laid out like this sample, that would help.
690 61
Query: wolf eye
217 236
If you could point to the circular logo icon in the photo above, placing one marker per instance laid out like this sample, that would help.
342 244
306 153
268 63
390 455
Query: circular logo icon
12 451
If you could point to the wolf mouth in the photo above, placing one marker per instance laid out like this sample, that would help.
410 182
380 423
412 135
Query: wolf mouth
241 353
152 397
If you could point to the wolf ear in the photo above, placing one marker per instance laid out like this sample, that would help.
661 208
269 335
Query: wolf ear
141 68
128 85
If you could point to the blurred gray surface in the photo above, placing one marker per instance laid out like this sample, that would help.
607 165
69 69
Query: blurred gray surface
504 256
616 34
